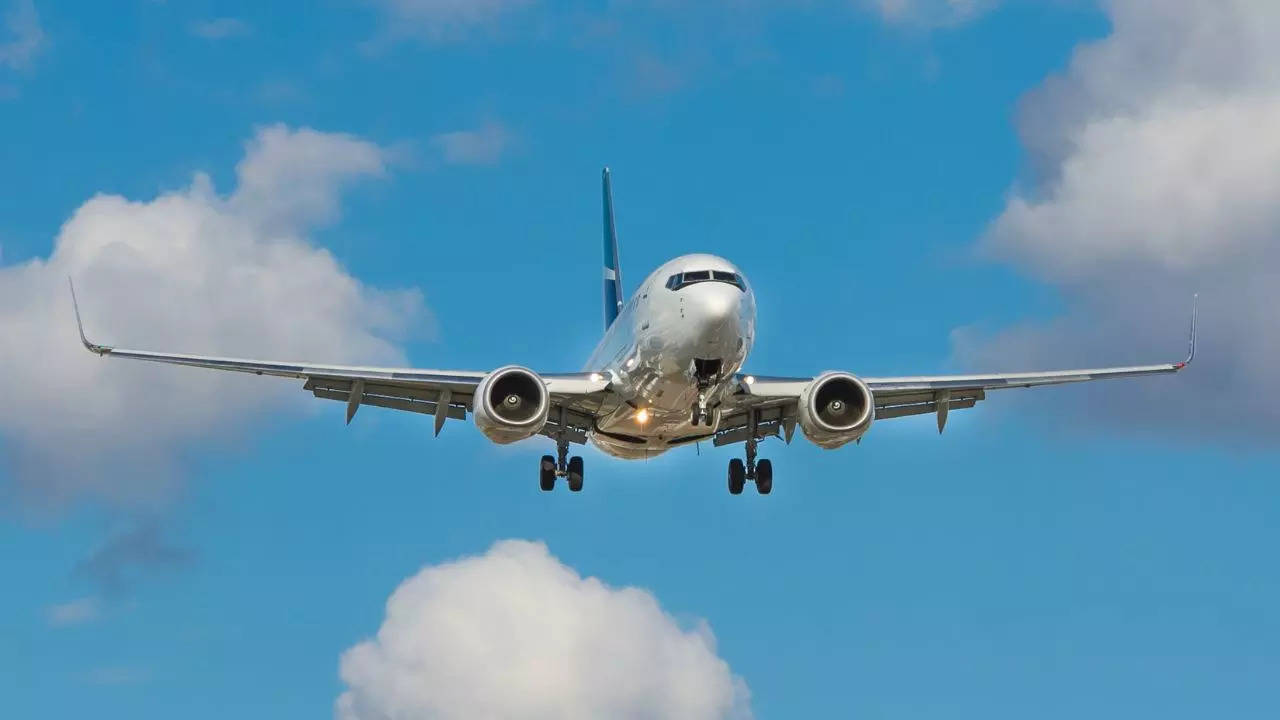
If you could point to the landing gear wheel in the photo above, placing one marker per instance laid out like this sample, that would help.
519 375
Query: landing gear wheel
737 476
764 477
575 474
547 473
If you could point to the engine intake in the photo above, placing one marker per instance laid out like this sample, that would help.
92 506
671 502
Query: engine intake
511 404
836 408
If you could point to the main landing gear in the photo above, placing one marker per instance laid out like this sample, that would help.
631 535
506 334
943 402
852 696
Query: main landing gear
569 468
759 471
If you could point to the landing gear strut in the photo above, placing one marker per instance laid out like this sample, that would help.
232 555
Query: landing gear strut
706 373
563 466
759 471
700 410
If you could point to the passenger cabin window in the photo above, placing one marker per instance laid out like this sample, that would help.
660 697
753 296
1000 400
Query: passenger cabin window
680 280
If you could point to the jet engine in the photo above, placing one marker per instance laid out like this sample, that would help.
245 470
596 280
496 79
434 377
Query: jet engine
510 404
836 408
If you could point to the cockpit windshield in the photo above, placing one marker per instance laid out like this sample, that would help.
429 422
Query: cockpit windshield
680 280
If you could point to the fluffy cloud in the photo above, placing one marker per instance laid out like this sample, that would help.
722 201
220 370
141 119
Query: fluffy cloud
514 633
21 36
1156 172
481 146
446 19
190 270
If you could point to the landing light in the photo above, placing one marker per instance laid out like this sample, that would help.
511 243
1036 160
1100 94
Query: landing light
750 379
596 377
642 416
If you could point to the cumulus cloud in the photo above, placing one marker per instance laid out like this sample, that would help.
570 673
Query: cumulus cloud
190 270
21 35
480 146
514 633
1156 172
220 28
446 19
75 612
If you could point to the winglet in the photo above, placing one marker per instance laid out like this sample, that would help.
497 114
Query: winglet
1191 343
95 349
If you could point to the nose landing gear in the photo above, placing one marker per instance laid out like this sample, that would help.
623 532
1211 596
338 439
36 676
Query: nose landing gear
700 416
706 373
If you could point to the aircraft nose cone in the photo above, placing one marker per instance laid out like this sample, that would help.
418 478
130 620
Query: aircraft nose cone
717 310
719 306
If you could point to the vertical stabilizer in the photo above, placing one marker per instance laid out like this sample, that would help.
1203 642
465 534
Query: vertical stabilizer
612 269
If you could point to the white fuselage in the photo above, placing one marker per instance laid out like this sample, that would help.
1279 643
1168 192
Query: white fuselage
672 342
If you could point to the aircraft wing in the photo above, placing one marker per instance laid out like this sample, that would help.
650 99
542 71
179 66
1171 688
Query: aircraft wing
446 394
768 404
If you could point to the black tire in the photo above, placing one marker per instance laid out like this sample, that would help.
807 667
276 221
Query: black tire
737 476
547 473
764 477
575 474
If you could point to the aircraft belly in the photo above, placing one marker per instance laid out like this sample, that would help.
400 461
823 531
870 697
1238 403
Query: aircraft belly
622 435
626 450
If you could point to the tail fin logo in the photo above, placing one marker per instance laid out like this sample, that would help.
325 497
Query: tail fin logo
612 270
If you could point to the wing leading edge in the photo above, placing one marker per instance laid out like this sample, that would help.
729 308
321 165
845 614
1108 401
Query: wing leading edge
996 381
443 393
917 395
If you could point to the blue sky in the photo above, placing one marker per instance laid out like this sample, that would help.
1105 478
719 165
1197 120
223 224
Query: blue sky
906 193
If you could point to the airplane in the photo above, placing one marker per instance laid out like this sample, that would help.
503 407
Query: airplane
667 373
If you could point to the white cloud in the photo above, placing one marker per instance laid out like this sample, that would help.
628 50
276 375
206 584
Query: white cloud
514 633
1158 173
220 28
190 270
75 612
481 146
21 35
446 19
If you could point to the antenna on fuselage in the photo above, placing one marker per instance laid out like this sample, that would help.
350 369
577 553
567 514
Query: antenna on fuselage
612 268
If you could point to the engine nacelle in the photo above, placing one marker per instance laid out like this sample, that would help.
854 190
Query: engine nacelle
510 404
836 408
